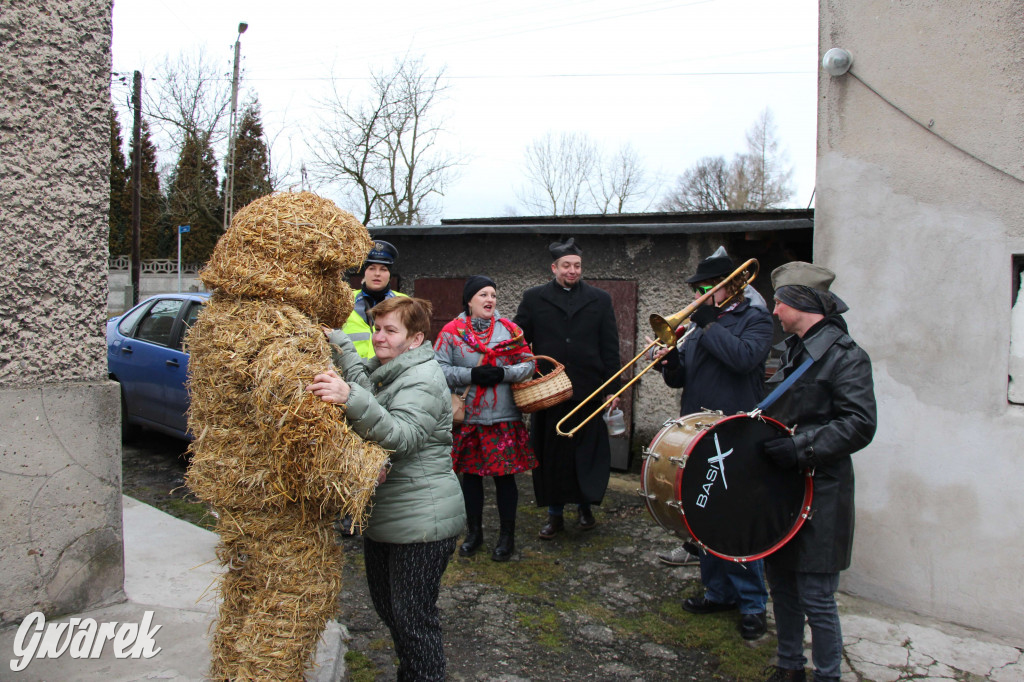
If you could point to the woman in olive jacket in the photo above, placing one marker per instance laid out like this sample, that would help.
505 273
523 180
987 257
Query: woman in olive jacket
400 399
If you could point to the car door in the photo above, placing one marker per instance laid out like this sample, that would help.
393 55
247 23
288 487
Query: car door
149 361
177 370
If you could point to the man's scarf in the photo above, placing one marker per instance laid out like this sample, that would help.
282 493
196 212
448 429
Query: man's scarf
809 300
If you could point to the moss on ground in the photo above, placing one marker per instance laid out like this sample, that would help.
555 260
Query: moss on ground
525 578
716 634
359 667
546 625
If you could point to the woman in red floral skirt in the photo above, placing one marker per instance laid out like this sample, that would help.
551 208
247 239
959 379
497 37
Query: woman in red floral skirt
485 351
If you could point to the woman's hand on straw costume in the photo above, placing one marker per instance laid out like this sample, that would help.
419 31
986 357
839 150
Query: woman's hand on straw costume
330 388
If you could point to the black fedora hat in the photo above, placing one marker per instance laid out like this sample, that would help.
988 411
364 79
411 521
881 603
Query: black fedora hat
716 265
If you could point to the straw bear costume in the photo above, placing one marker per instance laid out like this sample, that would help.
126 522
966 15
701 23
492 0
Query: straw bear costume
276 463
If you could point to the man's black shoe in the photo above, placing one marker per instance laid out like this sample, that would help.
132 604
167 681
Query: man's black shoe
753 625
587 520
701 606
774 673
555 524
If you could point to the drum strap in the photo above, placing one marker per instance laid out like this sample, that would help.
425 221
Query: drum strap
784 386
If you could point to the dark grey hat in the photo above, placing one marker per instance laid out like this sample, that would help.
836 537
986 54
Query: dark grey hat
383 253
716 265
566 248
805 286
802 274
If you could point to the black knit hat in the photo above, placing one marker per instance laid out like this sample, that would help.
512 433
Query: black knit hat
473 285
716 265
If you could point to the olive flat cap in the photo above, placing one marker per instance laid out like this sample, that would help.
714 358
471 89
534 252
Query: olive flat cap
802 274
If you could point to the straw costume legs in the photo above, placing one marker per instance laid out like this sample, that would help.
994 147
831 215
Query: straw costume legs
282 582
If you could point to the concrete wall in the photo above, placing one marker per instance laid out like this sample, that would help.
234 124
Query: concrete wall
922 236
658 263
60 504
120 292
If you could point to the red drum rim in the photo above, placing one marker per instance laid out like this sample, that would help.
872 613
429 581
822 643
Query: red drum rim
805 507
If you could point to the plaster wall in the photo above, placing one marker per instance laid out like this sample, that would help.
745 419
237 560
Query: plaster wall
60 502
922 231
658 264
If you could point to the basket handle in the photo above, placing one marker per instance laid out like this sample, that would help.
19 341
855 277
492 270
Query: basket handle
556 363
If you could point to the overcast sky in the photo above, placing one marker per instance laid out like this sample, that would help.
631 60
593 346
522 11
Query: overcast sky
676 79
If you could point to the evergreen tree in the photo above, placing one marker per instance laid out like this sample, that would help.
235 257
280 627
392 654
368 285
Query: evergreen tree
120 222
252 160
192 199
152 243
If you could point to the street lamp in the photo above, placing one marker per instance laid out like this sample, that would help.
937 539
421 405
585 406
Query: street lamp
229 181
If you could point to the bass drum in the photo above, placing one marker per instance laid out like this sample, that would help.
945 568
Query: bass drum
705 477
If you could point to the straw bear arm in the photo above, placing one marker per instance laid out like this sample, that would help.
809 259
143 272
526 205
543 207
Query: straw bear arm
348 363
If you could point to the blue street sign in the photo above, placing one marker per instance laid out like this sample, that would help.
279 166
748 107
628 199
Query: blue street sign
184 228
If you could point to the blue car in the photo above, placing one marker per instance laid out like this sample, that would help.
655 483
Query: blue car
144 355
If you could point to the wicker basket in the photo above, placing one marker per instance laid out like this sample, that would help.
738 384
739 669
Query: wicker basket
545 391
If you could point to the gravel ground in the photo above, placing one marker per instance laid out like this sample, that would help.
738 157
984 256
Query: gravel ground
588 605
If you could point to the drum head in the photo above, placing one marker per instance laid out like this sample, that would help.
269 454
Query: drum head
735 501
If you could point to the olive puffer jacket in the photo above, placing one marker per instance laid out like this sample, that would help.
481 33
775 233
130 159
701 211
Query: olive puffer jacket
405 406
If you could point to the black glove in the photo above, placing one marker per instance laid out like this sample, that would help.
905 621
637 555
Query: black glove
782 452
704 315
486 375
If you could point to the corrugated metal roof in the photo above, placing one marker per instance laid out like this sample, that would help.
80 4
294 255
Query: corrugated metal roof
623 224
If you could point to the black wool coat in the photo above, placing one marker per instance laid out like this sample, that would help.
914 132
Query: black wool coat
833 409
577 328
721 367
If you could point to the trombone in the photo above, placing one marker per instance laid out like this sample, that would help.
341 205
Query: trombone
664 335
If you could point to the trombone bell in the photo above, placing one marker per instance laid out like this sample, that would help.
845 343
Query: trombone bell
665 328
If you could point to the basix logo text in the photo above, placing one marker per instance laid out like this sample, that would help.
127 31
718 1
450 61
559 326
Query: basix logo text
82 638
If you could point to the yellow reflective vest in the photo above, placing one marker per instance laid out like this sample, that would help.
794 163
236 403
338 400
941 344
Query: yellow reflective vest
357 328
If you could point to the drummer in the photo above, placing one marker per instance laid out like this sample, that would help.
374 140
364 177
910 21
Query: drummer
720 365
831 405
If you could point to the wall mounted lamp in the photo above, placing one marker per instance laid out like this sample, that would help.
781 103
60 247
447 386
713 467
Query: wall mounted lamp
837 61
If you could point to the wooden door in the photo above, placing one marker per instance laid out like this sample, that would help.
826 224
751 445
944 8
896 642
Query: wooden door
445 296
624 300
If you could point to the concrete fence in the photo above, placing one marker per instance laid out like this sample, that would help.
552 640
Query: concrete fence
159 276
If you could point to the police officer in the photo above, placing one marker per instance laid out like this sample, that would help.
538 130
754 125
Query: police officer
376 272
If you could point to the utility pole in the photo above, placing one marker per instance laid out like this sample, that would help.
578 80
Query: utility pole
229 181
136 186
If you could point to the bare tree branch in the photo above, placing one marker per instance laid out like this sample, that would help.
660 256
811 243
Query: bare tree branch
559 171
756 180
622 179
191 97
384 150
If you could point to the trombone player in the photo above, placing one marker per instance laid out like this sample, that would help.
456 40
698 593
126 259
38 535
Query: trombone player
719 363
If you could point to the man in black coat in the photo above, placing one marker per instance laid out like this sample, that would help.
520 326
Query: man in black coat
832 407
573 323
